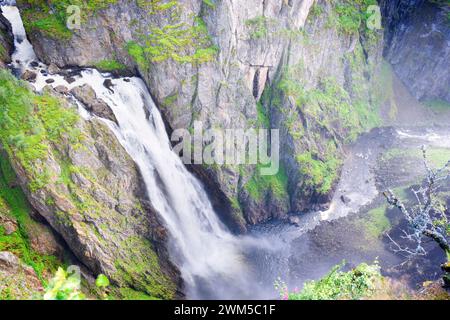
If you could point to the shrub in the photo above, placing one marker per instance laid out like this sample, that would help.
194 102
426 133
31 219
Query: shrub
109 65
355 284
64 286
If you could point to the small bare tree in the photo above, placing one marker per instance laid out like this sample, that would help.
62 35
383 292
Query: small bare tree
428 218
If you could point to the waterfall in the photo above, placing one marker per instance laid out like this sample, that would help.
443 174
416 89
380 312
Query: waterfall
199 244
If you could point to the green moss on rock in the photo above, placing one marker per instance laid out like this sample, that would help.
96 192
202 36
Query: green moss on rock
175 40
84 184
258 186
110 65
50 17
14 203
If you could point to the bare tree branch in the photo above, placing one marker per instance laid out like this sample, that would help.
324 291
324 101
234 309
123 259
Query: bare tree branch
426 219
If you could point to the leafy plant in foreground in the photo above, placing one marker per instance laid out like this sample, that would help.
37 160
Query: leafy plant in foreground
355 284
66 285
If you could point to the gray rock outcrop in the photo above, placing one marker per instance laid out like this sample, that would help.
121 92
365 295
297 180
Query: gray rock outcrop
256 44
417 46
91 193
86 95
6 41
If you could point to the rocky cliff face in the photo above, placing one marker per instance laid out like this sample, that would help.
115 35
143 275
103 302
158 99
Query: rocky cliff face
321 98
17 281
252 65
79 178
417 46
6 42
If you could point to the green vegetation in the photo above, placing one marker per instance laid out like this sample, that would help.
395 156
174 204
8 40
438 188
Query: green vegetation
259 27
50 17
4 54
156 6
174 41
37 131
170 100
159 285
324 106
30 123
263 118
327 115
319 173
109 65
13 203
329 103
130 294
364 92
102 281
138 54
67 285
316 11
438 105
437 157
351 16
259 184
375 223
209 3
384 89
359 283
235 204
64 286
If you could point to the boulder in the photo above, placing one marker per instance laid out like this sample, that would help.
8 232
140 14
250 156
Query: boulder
53 69
294 220
69 79
9 224
62 90
44 242
87 96
29 76
345 199
108 85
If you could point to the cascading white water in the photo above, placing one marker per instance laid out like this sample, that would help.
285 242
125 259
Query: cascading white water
214 263
200 244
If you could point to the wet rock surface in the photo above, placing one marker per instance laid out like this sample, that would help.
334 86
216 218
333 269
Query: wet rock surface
224 93
29 76
99 209
86 95
418 34
6 41
312 243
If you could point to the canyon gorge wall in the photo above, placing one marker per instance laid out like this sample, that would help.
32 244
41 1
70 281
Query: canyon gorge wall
305 67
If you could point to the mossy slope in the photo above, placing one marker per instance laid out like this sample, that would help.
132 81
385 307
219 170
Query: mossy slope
77 175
